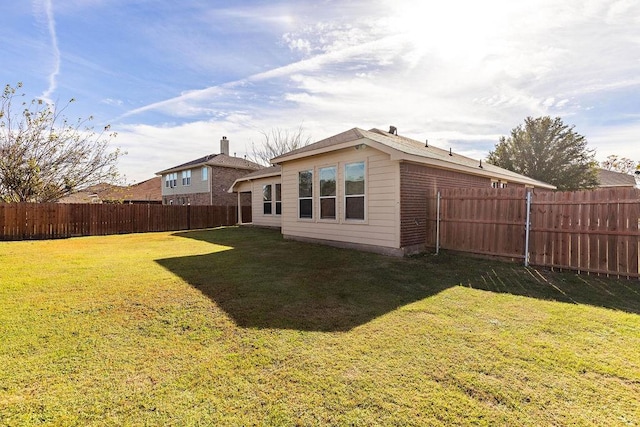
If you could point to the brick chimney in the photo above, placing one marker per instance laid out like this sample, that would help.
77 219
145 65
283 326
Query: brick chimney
224 146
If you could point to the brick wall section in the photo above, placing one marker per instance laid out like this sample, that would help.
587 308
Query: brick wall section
415 182
221 179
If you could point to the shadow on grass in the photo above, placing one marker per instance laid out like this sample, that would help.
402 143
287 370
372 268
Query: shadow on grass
268 282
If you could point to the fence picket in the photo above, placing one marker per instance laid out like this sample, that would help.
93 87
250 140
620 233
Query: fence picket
592 231
20 221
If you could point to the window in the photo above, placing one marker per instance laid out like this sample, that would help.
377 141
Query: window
186 177
328 193
278 199
266 199
305 194
171 180
205 173
498 184
354 190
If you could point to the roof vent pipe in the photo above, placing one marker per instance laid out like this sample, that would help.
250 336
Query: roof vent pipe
224 146
480 166
426 142
450 152
393 130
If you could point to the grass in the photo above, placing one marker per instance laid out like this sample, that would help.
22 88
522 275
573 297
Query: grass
236 326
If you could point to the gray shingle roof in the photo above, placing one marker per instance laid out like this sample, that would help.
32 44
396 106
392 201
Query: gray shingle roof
414 149
609 178
221 160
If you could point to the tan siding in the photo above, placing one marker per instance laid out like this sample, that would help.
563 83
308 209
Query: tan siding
244 186
380 227
197 184
257 211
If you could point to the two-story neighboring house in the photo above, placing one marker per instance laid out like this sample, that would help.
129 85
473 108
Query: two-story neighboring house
204 181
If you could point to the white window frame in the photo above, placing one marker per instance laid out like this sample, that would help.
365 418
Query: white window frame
300 218
277 197
334 197
171 180
363 195
495 183
269 201
186 178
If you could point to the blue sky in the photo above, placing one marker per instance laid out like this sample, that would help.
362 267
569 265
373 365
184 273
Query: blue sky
173 77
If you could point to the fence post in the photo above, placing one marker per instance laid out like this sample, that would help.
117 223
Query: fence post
438 223
527 230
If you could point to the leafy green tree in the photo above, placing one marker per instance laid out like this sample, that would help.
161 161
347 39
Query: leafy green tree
43 156
620 164
548 150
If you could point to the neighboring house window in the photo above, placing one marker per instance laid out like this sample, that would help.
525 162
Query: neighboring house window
266 199
171 180
354 187
186 177
498 184
278 199
305 194
205 173
327 192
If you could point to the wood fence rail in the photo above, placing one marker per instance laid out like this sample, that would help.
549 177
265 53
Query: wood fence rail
592 231
21 221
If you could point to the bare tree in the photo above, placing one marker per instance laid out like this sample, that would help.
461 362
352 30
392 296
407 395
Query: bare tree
620 164
276 142
43 156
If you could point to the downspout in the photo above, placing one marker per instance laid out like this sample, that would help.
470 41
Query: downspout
527 230
209 172
438 224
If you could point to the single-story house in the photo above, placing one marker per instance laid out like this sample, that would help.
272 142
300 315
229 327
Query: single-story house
263 190
364 189
145 192
613 179
205 180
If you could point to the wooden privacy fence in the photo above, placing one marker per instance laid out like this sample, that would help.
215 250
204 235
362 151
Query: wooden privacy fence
20 221
591 231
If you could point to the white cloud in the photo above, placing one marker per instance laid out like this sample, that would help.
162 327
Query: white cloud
47 10
109 101
622 140
459 73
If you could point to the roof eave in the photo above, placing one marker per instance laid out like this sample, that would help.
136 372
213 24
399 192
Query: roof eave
252 178
178 169
296 156
442 164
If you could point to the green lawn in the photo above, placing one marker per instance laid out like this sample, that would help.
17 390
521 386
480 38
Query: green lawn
236 326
